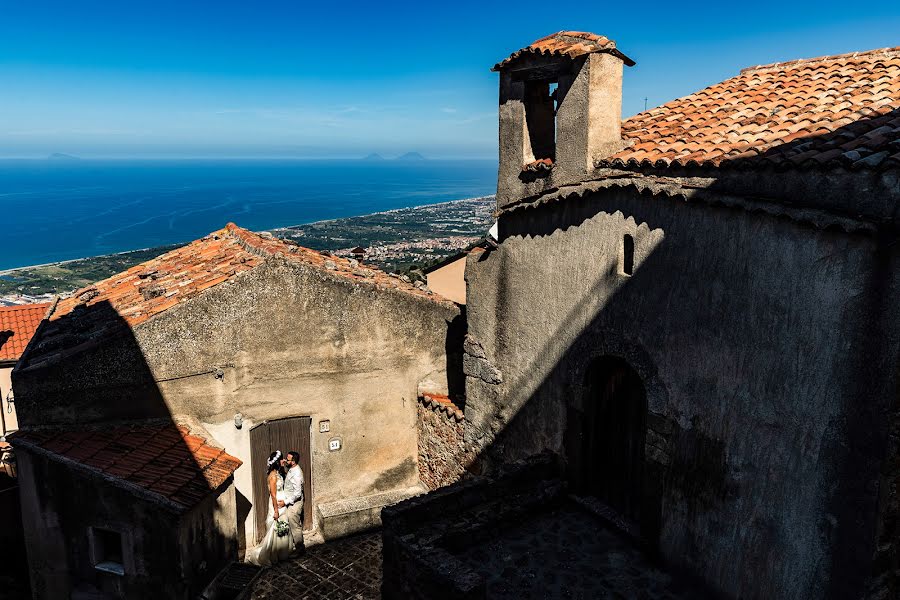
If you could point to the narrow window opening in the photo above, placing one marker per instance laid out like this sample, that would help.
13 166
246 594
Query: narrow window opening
554 97
627 254
540 117
108 551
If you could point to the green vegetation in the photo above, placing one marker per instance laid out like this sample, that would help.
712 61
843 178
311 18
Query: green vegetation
404 241
71 275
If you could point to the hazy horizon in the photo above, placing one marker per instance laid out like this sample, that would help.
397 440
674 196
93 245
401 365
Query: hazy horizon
355 156
229 79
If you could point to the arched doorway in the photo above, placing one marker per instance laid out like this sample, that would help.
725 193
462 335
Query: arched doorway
606 437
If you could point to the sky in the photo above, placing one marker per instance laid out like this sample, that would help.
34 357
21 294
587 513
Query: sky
315 79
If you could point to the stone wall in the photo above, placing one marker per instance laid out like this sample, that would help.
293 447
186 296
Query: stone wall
768 349
442 455
423 536
60 505
281 340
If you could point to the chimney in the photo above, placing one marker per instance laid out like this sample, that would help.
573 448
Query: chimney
560 112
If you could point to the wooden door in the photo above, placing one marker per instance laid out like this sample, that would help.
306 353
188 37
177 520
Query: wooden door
282 434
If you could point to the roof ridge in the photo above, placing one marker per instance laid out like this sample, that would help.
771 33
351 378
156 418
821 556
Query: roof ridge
566 43
27 306
889 51
581 36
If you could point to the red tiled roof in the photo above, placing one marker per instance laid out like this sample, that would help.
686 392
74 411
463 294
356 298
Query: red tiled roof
153 286
133 296
837 110
541 164
160 283
17 325
165 460
566 43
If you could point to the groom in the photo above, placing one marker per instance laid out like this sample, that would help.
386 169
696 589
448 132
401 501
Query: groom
293 498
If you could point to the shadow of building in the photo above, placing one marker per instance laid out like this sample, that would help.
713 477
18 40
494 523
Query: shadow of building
694 309
133 387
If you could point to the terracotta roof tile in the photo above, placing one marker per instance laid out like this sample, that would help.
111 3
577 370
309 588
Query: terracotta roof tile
800 113
541 164
163 459
571 44
17 325
131 297
441 402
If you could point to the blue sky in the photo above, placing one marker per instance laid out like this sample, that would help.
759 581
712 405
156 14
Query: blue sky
339 79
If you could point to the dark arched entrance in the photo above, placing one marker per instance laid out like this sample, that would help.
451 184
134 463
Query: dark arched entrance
606 436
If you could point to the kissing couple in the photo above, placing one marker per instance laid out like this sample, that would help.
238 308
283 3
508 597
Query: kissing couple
284 523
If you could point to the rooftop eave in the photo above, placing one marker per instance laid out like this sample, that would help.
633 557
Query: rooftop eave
509 64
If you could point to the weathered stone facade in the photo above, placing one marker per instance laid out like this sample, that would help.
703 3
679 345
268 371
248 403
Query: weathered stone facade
442 452
166 553
342 345
757 309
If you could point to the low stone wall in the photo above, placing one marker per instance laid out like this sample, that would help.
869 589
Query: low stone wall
423 535
442 453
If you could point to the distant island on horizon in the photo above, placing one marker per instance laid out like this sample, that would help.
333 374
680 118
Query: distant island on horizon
409 156
61 156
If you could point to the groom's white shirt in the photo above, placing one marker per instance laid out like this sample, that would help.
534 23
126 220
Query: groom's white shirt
293 486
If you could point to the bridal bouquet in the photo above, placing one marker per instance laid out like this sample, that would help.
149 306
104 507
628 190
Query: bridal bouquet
282 528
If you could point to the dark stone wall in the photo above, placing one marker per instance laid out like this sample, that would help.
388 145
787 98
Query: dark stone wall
59 506
208 538
768 350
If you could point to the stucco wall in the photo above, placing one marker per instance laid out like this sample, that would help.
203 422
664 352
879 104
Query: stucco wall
449 280
768 351
290 341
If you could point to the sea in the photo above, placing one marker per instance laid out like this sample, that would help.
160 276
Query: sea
55 210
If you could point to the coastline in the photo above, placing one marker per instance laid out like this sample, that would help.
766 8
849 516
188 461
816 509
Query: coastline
271 230
384 212
73 260
400 240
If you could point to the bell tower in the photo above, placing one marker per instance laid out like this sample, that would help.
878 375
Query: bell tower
560 111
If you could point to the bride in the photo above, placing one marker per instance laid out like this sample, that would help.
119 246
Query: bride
277 544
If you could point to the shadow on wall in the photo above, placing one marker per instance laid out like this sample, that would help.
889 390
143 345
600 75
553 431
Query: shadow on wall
133 490
686 470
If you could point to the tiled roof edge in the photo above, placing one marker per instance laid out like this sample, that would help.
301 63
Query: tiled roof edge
661 186
607 46
23 359
249 240
881 162
135 489
777 66
441 403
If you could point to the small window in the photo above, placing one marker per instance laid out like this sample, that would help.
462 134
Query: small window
107 551
627 255
540 118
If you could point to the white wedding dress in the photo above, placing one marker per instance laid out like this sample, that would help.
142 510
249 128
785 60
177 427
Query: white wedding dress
273 548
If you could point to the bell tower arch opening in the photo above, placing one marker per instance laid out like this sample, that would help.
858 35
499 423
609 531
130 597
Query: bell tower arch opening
606 437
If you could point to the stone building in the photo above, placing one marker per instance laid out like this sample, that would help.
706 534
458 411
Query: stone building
264 345
129 511
17 324
696 308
